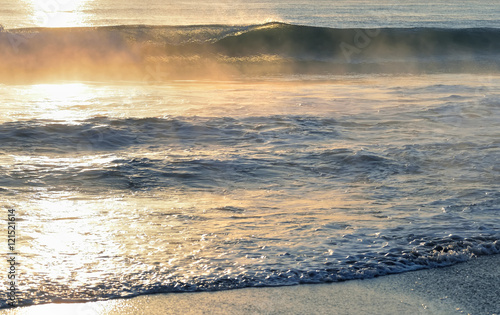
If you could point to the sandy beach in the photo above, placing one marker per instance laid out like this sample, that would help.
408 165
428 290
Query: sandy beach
467 288
240 148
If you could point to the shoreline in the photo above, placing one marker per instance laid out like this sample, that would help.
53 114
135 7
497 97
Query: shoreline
465 288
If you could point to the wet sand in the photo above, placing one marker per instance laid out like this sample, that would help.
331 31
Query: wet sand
467 288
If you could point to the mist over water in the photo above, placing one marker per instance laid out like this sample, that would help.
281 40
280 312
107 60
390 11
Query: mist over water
156 53
144 158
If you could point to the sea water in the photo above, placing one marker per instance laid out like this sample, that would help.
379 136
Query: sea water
293 142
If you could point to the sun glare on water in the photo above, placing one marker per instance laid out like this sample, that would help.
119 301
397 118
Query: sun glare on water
59 13
62 102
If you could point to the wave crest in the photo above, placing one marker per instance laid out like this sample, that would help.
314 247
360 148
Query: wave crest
179 52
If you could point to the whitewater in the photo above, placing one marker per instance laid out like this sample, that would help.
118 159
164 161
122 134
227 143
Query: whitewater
145 157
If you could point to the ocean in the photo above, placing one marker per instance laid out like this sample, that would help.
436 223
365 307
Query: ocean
160 147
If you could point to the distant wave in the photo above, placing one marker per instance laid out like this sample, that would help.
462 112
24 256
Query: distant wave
164 52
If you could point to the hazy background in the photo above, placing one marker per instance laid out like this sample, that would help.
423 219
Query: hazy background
341 13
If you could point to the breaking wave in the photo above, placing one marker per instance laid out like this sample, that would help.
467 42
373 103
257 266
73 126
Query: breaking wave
211 51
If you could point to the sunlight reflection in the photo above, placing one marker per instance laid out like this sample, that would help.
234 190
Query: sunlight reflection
59 13
58 101
68 238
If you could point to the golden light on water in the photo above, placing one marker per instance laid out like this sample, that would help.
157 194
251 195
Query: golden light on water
59 92
68 240
62 102
59 13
